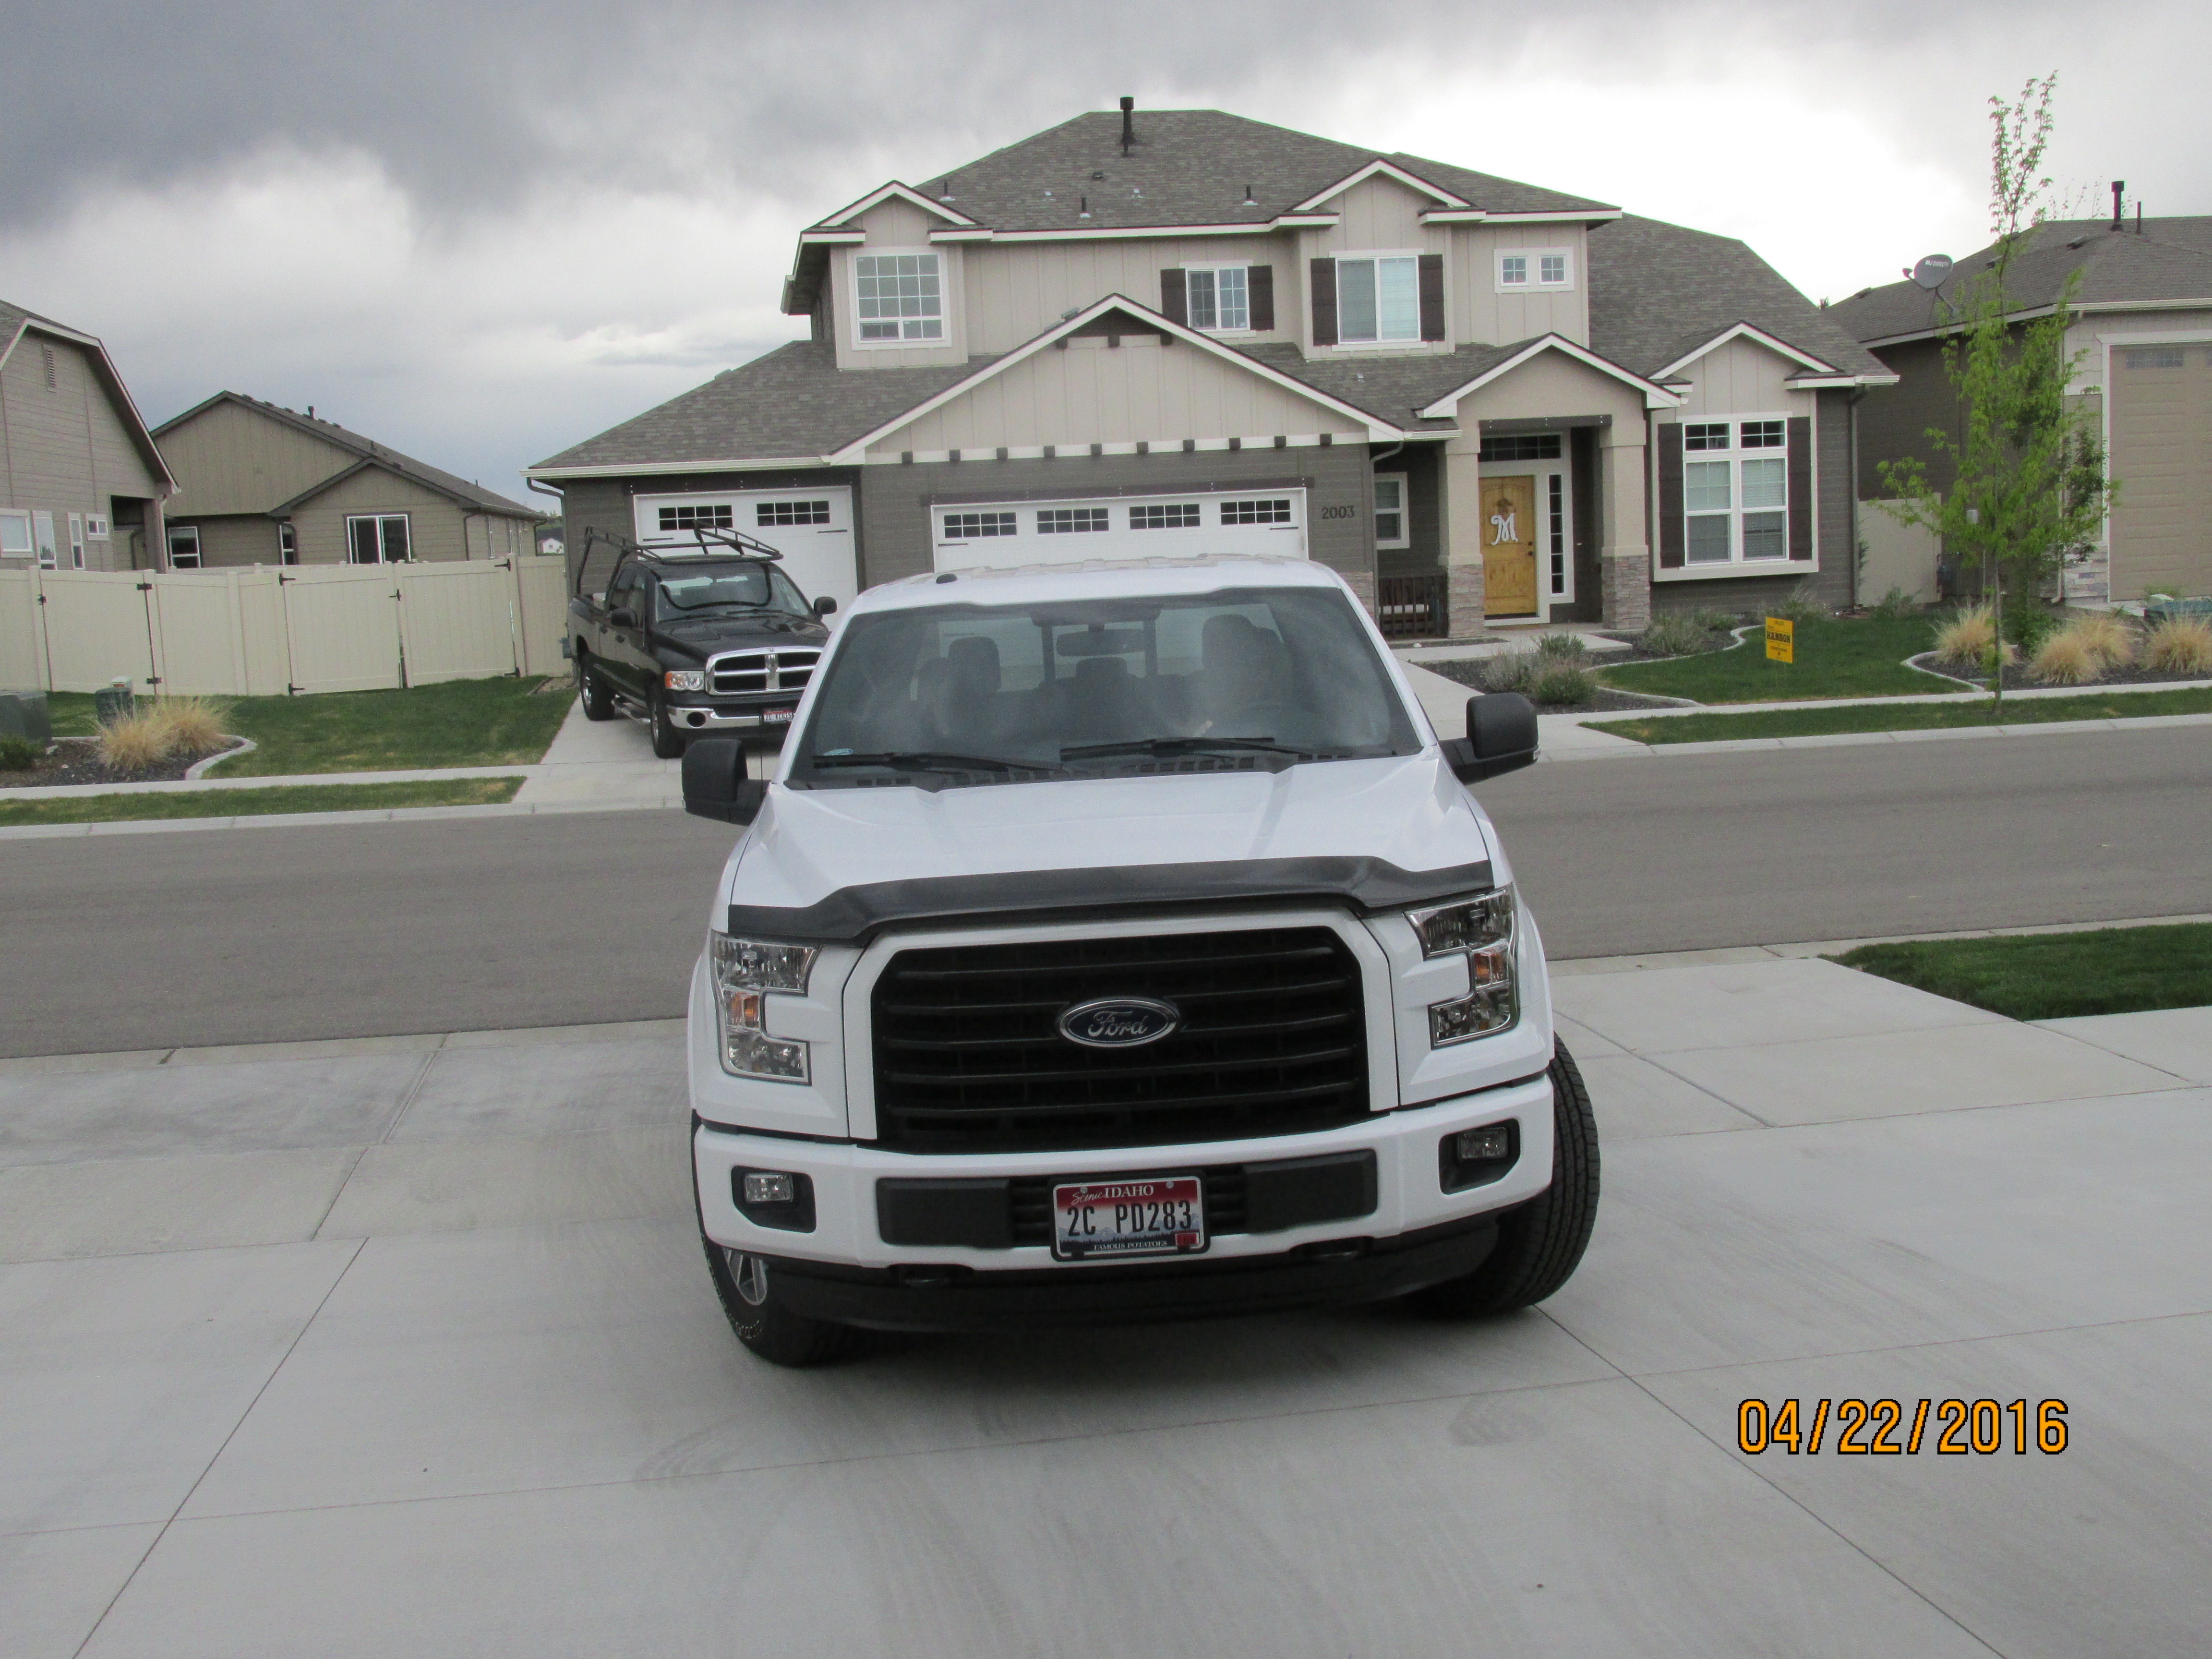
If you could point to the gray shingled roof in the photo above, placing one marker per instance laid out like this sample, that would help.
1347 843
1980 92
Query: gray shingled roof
1658 290
1392 389
366 449
794 403
2170 260
1190 166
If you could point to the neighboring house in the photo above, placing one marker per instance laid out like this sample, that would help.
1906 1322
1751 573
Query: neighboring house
2143 323
81 484
1183 332
258 484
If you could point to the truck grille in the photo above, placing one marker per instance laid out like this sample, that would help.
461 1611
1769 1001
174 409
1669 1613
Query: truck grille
739 671
968 1056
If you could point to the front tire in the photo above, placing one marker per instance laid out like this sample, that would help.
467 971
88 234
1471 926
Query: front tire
747 1287
668 742
599 701
1540 1244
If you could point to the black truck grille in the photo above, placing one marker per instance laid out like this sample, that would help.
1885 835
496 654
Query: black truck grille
968 1056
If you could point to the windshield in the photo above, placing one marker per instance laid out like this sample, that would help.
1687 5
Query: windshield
1265 676
746 583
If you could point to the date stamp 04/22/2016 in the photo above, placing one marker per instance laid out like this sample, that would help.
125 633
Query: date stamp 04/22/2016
1985 1427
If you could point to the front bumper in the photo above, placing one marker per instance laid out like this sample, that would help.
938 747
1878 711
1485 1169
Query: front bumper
730 717
844 1257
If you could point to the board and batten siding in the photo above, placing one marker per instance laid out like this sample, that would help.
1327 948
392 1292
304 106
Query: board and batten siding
1481 312
1740 378
232 459
897 224
65 449
2161 456
1017 290
1376 216
1141 390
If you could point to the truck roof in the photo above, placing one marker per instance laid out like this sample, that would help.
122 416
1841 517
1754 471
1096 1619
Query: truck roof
1094 579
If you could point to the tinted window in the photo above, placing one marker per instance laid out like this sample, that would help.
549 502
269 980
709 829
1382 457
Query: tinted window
732 584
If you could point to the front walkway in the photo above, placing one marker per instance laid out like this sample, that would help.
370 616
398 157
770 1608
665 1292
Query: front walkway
404 1345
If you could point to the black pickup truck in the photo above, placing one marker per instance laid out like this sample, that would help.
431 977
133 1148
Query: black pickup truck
691 641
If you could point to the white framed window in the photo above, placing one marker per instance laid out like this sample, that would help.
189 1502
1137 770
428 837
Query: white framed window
1277 511
1070 520
76 541
898 298
1520 269
1167 515
708 515
96 527
1378 298
42 532
15 535
1218 299
970 527
769 514
377 538
184 547
288 542
1735 490
1555 530
1390 528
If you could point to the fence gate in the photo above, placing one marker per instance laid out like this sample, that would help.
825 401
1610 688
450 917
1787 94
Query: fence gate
457 621
342 628
198 650
96 629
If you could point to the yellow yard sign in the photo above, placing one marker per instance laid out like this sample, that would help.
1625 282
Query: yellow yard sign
1781 640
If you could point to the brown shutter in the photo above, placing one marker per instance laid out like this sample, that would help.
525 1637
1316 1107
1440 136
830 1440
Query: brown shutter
1673 534
1432 296
1259 296
1324 302
1801 488
1175 297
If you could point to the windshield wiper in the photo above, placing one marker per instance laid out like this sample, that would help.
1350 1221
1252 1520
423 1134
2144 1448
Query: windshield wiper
931 760
1178 746
720 605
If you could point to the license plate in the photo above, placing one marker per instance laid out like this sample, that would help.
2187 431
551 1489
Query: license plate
1151 1215
777 716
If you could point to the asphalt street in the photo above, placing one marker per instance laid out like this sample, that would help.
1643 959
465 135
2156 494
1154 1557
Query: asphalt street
157 940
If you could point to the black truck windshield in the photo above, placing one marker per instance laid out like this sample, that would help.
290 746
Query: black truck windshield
1274 675
732 584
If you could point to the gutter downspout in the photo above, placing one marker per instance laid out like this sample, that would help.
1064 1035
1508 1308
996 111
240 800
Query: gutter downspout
1851 403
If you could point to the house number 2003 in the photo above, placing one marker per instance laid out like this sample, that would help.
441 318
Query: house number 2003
1347 511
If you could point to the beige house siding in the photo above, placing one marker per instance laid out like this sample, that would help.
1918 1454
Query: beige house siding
1017 291
897 224
65 448
1092 392
239 538
433 524
1378 216
1481 314
229 459
1740 378
2161 454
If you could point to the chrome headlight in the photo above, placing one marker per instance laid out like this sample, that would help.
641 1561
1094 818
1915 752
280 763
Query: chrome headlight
746 971
684 680
1481 930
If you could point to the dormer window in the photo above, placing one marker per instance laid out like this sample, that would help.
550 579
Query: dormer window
1523 269
898 298
1377 298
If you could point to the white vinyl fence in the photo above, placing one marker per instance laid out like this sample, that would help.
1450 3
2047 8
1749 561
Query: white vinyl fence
266 631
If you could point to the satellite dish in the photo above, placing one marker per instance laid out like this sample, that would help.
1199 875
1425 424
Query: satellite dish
1930 271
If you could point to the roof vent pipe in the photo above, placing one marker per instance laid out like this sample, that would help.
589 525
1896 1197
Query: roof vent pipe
2119 185
1128 122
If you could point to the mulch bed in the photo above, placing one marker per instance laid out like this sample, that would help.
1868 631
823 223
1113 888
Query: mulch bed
1467 671
2018 679
1636 653
76 760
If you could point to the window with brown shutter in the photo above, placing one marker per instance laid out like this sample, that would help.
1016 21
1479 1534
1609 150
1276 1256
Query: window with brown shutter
1801 488
1260 289
1175 304
1671 550
1324 302
1432 296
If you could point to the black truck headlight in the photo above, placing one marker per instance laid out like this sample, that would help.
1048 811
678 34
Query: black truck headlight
746 971
1480 930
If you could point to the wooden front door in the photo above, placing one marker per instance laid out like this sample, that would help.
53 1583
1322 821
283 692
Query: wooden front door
1509 547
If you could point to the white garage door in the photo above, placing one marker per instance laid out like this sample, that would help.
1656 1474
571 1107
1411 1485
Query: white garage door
996 534
811 528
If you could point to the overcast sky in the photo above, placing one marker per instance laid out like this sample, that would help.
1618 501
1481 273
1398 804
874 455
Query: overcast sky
482 232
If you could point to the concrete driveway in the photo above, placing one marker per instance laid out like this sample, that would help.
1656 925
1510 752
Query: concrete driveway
403 1346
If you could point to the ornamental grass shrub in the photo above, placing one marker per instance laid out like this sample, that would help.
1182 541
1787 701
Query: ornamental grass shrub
1685 635
1897 603
195 724
1563 683
1568 648
2181 645
160 730
19 754
2067 657
1803 604
2104 633
134 743
1964 637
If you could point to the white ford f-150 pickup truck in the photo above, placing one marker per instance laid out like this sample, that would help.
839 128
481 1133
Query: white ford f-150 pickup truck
1117 943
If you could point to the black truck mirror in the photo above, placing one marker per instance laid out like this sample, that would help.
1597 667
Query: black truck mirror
1501 737
824 605
715 785
621 616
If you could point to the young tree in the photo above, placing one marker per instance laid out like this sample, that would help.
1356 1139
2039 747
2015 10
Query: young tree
2029 486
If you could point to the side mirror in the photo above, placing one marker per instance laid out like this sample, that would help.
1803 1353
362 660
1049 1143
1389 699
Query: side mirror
1501 737
715 785
824 605
621 616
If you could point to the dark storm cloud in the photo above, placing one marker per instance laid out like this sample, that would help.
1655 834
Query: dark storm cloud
470 106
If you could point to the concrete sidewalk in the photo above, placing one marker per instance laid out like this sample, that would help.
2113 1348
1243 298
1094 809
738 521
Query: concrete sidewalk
403 1345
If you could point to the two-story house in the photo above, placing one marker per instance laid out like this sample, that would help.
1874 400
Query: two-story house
81 484
1178 333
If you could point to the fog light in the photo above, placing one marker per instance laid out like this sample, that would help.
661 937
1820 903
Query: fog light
1475 1145
762 1188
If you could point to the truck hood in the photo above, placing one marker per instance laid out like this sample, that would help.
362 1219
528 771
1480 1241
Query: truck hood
810 845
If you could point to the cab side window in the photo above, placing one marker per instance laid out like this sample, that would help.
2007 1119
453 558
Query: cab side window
628 590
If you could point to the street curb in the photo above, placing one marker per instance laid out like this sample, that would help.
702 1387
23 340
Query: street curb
1723 955
1837 739
309 820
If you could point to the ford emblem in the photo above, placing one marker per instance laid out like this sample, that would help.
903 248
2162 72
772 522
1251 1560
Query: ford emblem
1119 1021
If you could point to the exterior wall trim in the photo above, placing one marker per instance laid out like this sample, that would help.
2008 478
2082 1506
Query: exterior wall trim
1759 335
1446 408
662 469
905 193
1389 170
1124 233
2084 308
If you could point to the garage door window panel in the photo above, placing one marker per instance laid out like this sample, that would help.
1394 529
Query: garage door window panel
1073 520
976 527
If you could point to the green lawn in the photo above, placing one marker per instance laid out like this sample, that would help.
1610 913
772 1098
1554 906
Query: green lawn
253 803
1864 657
494 722
1910 716
2117 970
